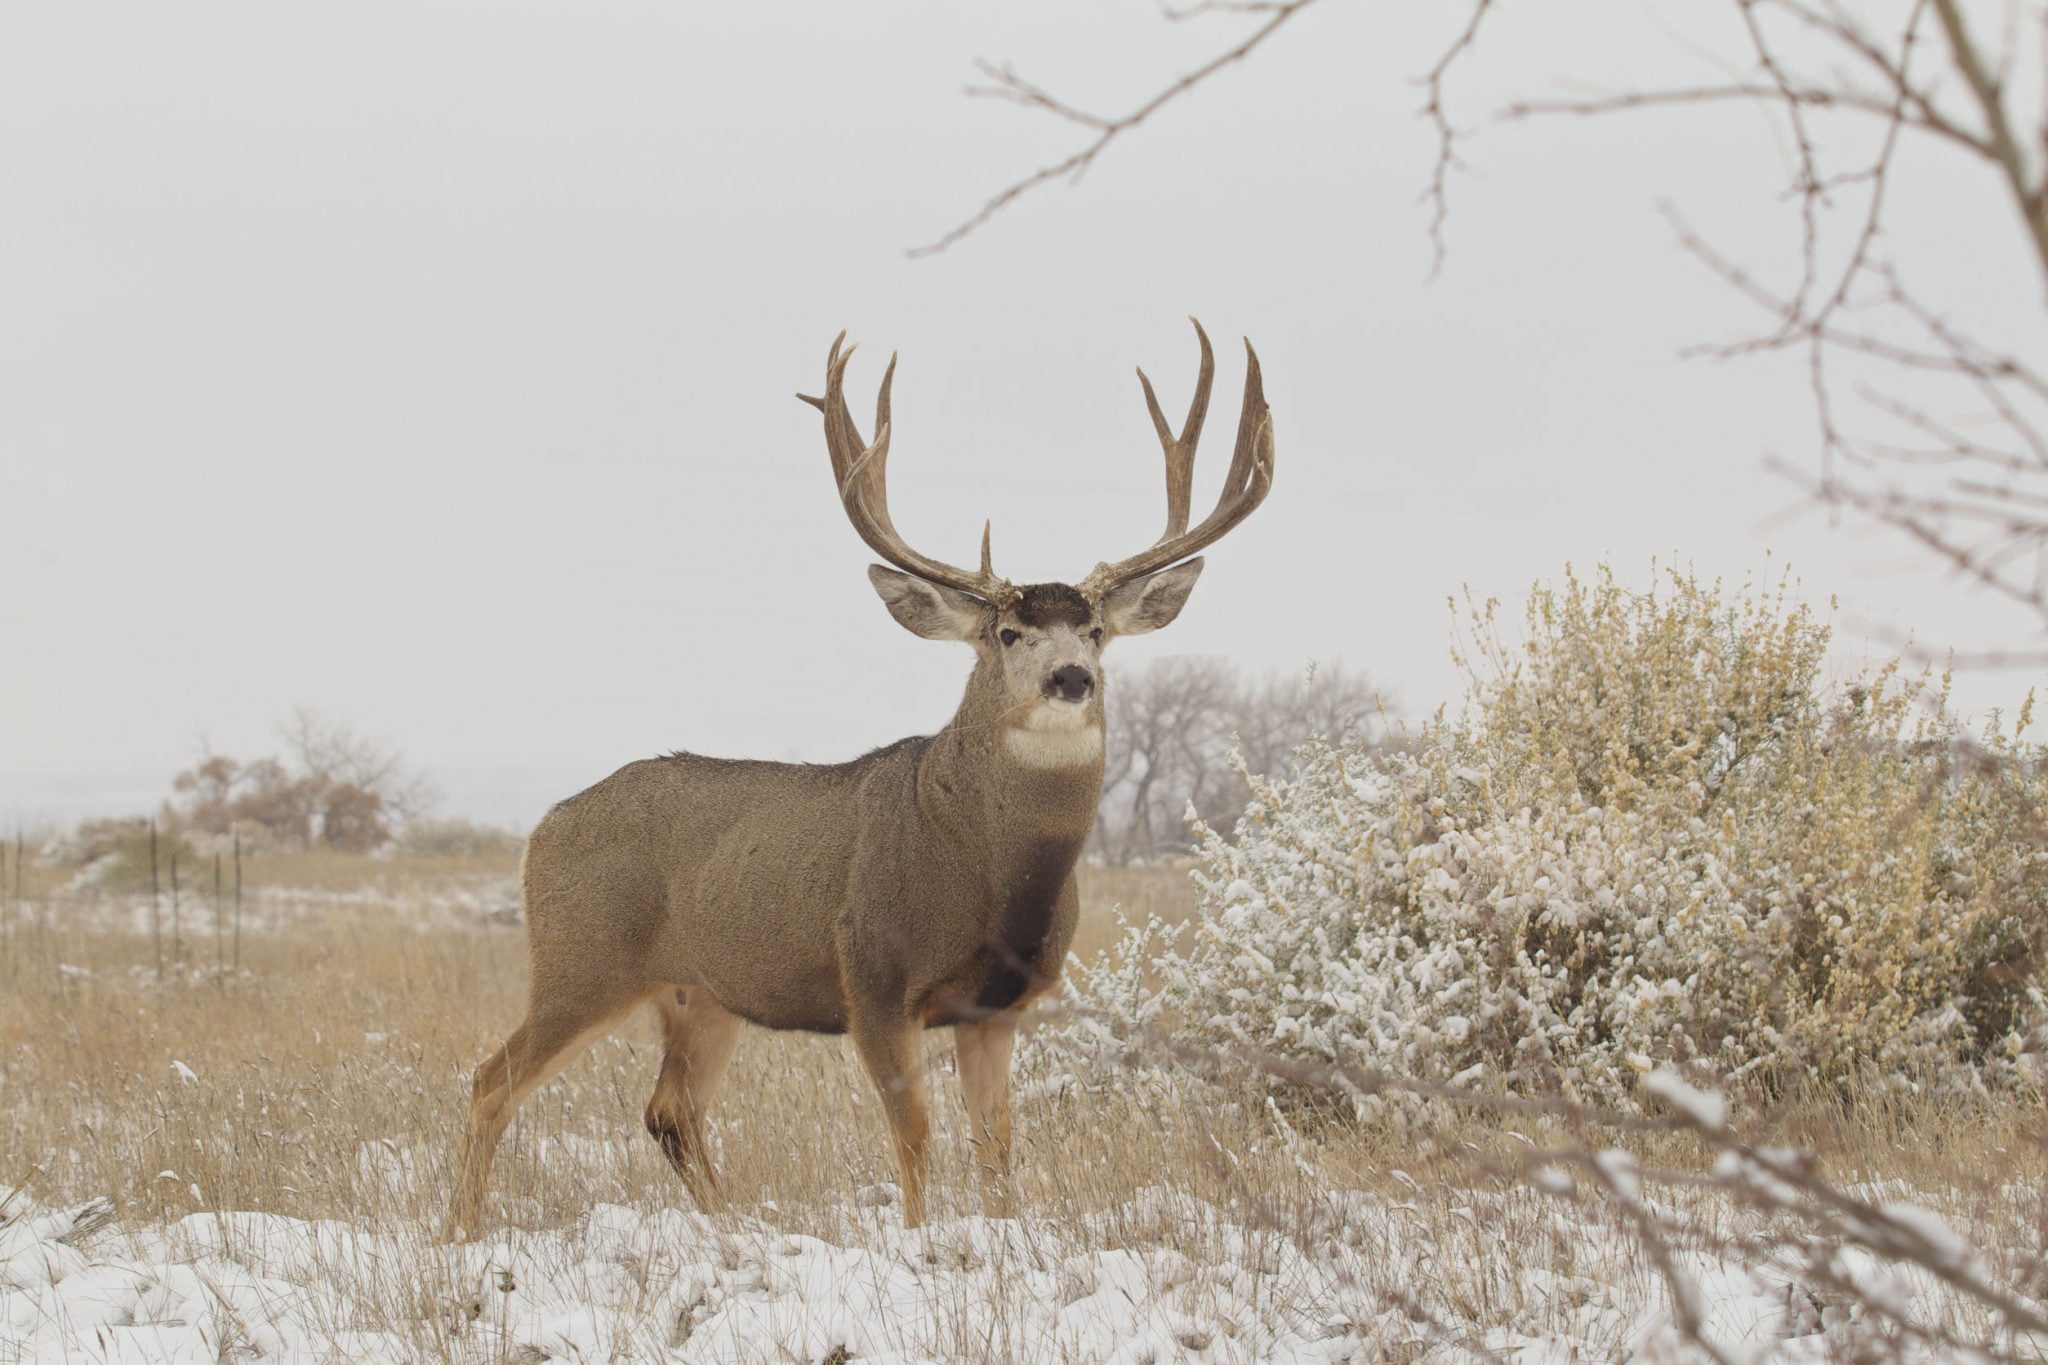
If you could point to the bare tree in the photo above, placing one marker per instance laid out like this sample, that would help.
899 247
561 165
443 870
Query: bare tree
1173 726
209 791
1922 423
346 791
359 776
1168 726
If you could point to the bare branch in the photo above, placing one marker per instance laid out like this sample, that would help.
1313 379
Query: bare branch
2029 195
1195 11
1894 380
1009 86
1922 521
1438 193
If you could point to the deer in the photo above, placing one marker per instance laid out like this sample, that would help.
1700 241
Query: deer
926 884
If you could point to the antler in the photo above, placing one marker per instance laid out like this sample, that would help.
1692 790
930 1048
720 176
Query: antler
862 473
1244 487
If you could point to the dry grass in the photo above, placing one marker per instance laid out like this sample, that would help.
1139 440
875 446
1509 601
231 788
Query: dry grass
1140 893
328 1078
352 1028
356 1023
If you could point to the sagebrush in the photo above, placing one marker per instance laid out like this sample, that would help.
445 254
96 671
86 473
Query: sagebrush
1655 834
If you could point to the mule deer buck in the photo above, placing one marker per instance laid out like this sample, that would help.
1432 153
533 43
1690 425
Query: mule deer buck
927 884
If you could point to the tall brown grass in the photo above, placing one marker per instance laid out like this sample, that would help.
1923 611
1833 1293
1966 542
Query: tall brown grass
327 1080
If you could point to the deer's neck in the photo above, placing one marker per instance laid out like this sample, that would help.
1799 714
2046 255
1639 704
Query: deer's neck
994 775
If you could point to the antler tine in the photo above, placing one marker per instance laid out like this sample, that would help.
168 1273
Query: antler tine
841 440
1251 461
831 359
868 481
1180 450
1245 485
861 472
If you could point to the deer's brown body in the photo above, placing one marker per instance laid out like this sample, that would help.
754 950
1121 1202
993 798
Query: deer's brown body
936 872
929 883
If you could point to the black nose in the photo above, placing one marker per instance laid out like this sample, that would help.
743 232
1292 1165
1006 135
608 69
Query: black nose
1072 682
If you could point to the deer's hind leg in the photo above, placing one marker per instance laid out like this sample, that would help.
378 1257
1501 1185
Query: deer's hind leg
697 1035
553 1034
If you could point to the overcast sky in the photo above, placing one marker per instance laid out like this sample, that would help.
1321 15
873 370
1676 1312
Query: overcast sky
431 364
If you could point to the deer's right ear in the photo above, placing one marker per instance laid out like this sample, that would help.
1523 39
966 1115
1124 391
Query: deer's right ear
928 609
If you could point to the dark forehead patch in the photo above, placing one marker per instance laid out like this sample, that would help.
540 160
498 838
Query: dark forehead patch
1052 604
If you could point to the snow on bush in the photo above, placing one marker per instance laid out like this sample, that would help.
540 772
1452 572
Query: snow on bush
1655 836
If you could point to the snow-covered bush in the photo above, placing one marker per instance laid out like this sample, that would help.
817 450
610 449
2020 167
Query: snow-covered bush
1654 835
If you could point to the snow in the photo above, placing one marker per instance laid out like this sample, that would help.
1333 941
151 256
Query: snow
1707 1108
1351 1280
1937 1239
422 903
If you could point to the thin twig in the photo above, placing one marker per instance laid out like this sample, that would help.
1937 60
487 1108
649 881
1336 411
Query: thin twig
1437 195
1010 86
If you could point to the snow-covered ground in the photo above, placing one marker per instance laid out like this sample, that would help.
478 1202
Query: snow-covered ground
448 902
1352 1277
323 1076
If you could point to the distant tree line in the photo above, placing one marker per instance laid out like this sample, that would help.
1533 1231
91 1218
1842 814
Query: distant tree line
332 788
1173 728
1173 725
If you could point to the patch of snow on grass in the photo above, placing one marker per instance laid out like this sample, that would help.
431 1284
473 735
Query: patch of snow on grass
633 1284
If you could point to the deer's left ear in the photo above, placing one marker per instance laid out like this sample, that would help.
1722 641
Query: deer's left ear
1150 602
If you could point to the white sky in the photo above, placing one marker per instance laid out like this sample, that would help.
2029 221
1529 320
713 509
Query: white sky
431 364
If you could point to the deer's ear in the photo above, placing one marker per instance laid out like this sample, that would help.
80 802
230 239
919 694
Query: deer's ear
928 609
1148 603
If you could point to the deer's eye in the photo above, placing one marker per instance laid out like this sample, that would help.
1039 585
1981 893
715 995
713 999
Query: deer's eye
1096 635
1009 637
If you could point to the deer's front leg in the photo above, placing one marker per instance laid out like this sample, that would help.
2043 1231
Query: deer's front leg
891 1047
984 1047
